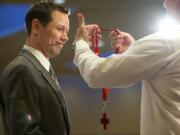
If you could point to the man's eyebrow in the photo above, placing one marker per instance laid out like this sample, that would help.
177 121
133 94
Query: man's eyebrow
59 25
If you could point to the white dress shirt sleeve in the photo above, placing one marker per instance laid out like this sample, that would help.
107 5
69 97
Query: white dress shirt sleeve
143 60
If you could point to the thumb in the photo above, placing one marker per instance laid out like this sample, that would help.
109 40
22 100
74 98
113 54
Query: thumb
80 18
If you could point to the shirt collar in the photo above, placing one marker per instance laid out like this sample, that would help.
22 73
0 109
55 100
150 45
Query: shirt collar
40 57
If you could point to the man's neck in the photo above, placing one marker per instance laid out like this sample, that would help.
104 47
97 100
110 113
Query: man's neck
36 46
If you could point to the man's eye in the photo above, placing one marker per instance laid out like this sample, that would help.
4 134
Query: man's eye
60 29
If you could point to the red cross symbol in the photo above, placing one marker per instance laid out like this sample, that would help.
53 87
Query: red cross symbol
105 120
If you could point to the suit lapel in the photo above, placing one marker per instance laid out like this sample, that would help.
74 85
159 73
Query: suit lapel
39 67
57 89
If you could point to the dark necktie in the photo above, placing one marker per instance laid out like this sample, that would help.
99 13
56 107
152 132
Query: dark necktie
53 76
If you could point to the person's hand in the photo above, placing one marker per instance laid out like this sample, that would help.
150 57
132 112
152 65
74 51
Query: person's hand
120 41
85 32
82 32
94 33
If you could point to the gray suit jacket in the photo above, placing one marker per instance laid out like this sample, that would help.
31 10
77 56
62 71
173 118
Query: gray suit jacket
31 101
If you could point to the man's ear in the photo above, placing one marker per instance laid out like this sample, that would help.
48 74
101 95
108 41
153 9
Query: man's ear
164 4
35 26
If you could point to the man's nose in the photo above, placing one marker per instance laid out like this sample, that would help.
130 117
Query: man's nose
64 37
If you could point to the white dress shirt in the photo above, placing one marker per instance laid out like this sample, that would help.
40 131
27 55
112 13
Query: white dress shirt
154 60
39 56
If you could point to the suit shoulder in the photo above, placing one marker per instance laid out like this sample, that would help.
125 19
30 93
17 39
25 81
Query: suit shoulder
17 66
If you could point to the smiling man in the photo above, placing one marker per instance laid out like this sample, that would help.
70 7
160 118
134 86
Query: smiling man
32 100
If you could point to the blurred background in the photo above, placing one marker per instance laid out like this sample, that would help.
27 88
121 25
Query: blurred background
138 17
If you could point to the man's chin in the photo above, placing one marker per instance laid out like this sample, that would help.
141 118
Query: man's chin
57 51
58 45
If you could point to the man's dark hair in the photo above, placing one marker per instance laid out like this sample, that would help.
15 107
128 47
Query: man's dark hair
42 12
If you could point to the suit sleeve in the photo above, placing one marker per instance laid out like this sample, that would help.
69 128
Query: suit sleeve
22 101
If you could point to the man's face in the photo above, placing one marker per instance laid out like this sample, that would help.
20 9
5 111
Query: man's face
167 3
170 5
52 37
172 8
